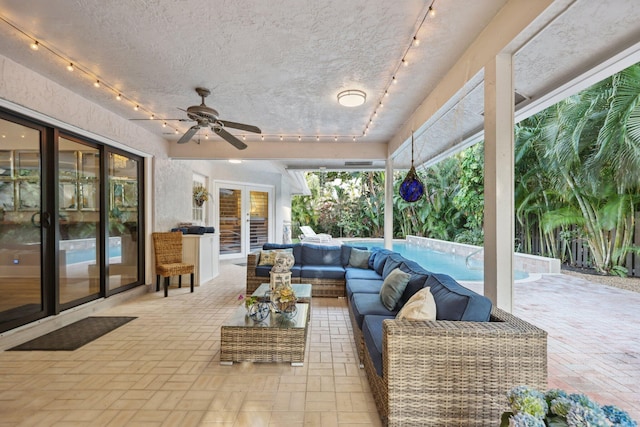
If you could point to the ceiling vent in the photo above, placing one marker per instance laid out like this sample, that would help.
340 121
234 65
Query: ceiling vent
358 164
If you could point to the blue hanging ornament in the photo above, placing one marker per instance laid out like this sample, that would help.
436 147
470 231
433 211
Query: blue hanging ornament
411 189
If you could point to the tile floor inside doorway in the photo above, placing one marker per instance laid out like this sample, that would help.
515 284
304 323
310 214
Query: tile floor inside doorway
162 369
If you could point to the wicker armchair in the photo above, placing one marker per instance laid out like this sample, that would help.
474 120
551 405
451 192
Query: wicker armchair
168 255
446 373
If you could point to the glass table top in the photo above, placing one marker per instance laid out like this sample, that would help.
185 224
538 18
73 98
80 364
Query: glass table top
302 290
240 318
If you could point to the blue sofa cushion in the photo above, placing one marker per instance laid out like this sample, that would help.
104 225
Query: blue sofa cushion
365 304
297 249
372 334
380 259
322 271
455 302
263 271
417 281
393 261
360 273
345 253
363 286
319 255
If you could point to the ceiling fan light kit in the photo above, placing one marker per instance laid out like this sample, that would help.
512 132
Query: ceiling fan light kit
352 98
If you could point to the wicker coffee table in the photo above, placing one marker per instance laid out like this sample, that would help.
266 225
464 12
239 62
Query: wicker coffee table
275 339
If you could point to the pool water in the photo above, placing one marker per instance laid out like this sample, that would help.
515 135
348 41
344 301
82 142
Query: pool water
85 255
437 262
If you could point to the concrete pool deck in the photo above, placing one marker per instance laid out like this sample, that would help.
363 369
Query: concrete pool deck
163 368
593 341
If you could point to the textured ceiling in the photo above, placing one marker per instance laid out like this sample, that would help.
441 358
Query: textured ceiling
280 64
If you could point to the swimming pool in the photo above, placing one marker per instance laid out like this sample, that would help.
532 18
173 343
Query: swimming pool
436 261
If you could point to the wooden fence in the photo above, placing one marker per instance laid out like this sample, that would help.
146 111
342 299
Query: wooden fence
581 254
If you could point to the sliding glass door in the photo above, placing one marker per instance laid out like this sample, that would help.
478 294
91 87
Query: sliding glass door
21 216
79 221
245 218
70 221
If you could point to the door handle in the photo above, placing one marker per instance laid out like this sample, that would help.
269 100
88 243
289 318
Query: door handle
41 219
45 219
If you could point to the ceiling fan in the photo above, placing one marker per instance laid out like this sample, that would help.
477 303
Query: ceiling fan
205 117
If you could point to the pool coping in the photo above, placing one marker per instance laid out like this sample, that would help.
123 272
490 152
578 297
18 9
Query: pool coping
534 265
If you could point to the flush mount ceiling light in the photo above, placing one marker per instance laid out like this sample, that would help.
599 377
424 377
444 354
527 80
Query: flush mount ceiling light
352 98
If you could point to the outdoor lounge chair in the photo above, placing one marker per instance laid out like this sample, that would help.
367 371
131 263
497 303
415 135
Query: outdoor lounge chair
308 235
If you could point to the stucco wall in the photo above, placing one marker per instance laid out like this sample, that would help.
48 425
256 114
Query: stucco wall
169 198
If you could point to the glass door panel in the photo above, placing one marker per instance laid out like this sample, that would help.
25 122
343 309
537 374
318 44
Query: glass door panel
258 219
230 212
21 289
78 211
244 218
123 249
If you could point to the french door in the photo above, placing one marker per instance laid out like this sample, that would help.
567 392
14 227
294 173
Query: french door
245 218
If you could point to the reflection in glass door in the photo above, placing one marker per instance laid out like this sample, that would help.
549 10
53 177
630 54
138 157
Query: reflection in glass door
21 289
258 219
244 218
230 214
79 216
124 193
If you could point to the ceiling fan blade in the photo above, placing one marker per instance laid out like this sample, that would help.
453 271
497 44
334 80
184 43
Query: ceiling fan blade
166 120
240 126
189 134
230 138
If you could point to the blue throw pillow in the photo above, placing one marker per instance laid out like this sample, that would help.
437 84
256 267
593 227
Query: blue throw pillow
393 287
359 258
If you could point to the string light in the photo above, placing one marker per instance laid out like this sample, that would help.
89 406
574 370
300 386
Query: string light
414 42
71 65
97 82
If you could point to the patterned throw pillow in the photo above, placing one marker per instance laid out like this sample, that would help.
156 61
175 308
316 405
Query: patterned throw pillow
268 257
421 306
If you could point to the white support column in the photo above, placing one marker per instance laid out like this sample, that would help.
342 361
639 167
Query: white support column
388 204
498 181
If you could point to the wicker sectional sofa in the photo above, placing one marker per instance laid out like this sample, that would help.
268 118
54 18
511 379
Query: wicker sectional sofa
453 371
